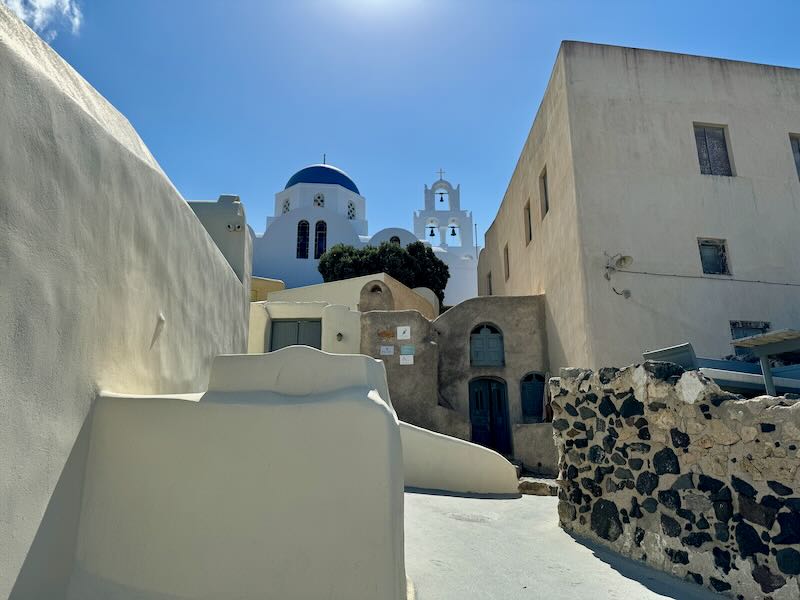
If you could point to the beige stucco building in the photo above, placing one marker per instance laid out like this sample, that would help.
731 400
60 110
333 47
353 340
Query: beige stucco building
655 202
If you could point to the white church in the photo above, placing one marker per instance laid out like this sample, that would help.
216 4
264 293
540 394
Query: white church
321 206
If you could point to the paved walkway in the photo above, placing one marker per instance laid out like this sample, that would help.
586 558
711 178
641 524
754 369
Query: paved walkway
468 548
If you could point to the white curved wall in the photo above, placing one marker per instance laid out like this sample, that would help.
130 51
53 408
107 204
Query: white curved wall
96 246
276 484
440 462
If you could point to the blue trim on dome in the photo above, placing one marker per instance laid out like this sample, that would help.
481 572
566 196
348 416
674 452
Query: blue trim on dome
323 174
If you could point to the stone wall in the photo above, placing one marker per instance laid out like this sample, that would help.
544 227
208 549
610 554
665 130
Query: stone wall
664 467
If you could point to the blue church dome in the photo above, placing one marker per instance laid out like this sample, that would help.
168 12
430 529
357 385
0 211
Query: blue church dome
323 174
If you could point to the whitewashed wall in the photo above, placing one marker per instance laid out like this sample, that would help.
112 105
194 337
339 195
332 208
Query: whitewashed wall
101 264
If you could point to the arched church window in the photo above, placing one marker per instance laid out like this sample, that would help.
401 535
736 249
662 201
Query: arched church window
320 238
394 240
319 200
287 205
302 239
486 347
351 210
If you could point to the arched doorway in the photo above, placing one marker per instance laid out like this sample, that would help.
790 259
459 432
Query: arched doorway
488 413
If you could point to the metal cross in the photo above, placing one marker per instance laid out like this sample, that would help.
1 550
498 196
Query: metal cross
441 174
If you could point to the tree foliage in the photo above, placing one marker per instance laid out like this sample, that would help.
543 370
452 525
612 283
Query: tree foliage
414 266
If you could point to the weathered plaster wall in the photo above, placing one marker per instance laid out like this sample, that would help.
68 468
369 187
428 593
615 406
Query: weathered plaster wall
664 467
348 292
439 462
521 319
221 497
413 387
534 447
102 261
261 287
550 264
226 224
640 192
335 318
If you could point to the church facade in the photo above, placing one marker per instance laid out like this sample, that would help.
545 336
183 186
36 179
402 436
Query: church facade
321 206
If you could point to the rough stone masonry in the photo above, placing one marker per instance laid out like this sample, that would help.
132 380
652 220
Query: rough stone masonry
664 467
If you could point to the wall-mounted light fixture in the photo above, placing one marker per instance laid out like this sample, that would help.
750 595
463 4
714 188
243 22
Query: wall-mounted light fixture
339 337
617 262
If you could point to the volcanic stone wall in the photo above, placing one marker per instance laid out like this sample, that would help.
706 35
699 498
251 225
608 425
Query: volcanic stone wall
664 467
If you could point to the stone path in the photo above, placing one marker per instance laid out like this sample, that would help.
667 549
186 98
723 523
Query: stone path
469 548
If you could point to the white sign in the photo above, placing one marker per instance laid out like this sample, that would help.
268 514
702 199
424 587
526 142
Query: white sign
387 350
406 359
404 332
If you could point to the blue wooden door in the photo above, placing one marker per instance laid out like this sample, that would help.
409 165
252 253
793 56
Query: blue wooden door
532 394
488 410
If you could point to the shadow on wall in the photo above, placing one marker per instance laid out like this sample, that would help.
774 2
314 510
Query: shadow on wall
48 564
661 583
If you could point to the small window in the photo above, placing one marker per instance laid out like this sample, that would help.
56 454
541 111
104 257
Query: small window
712 150
319 200
742 329
528 225
394 240
544 192
320 238
287 205
489 283
505 261
714 256
795 140
486 347
351 210
302 239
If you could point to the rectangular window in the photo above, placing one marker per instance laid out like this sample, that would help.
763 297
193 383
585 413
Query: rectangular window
742 329
489 283
712 150
505 261
544 193
292 333
795 140
714 256
528 225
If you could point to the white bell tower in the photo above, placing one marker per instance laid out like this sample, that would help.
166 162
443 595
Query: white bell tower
442 222
448 229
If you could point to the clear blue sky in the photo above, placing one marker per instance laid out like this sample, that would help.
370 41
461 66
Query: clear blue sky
235 96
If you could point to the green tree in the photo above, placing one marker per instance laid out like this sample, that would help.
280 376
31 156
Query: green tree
416 265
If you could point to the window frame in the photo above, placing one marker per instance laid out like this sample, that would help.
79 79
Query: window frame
528 222
763 326
302 251
544 194
721 243
728 147
320 233
794 145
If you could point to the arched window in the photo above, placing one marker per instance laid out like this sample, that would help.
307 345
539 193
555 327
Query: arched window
302 239
532 397
394 240
351 210
486 347
320 238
